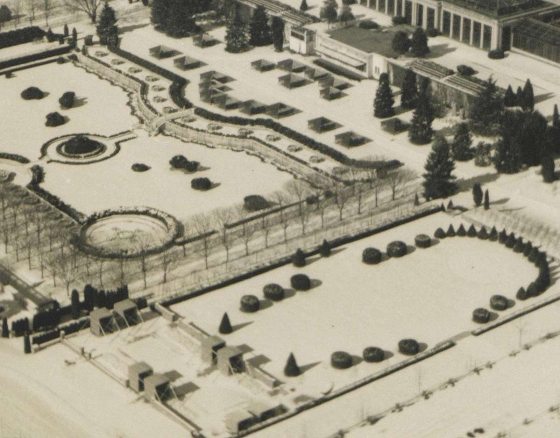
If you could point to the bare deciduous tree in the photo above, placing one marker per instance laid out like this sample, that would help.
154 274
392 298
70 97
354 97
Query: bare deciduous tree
88 7
299 190
168 261
341 196
202 224
397 179
221 218
31 7
282 200
47 7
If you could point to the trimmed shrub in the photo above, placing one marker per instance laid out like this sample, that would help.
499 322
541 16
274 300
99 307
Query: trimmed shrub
451 231
465 70
32 93
140 167
423 241
461 231
67 100
496 54
371 256
300 282
410 347
291 369
182 163
397 20
341 360
368 24
522 294
471 232
255 203
503 236
298 259
440 234
527 249
225 325
482 233
519 245
201 184
481 315
18 36
250 304
54 119
325 249
533 254
493 234
274 292
511 241
80 145
396 249
498 302
373 354
532 290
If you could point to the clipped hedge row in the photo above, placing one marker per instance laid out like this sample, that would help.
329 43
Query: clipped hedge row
20 36
35 57
14 157
46 337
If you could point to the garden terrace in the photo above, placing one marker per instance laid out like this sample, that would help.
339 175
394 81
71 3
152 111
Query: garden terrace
331 93
322 124
262 65
162 52
187 63
350 139
293 81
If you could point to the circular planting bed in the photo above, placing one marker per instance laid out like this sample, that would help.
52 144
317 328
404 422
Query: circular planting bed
79 149
128 233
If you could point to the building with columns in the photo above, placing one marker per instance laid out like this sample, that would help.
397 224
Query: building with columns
486 24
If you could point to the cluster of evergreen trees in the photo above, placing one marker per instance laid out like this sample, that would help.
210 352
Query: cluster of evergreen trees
107 29
260 32
175 17
329 11
524 97
417 44
97 298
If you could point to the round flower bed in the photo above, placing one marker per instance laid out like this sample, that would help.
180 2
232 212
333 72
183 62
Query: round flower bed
214 127
169 110
498 302
272 137
423 241
373 354
300 282
250 304
244 132
100 53
371 256
396 249
481 315
140 167
274 292
117 61
159 99
80 146
294 148
410 347
341 360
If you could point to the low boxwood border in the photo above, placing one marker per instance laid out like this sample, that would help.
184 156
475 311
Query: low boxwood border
14 157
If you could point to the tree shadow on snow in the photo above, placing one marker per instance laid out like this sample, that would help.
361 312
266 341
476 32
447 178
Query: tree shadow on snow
265 304
356 360
422 346
439 50
466 184
81 101
289 293
131 27
304 368
237 327
315 283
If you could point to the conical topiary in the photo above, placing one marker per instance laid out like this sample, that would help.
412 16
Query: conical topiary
416 200
325 249
26 343
298 258
522 294
450 205
519 246
461 232
440 234
511 241
291 369
503 236
471 232
493 234
482 233
533 254
5 329
532 290
451 231
528 248
225 325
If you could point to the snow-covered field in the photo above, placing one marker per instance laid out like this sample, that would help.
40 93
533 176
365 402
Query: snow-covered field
428 295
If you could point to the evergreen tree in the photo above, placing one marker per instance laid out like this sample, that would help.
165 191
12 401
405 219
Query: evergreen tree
507 157
107 29
383 103
400 42
66 31
259 29
555 117
416 200
419 43
487 109
462 142
553 133
509 98
5 329
477 194
345 14
486 200
75 304
237 39
547 169
89 297
528 102
303 6
26 343
409 91
329 11
179 22
74 37
439 179
519 96
225 325
325 249
420 131
291 369
160 14
277 27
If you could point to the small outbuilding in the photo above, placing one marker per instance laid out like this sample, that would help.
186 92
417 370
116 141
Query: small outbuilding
230 360
209 349
157 387
137 373
128 312
102 322
238 421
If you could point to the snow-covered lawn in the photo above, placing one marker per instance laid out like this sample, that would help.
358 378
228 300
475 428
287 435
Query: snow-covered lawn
112 183
102 108
428 295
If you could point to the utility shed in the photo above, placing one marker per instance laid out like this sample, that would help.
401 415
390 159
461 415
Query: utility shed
209 349
238 421
157 387
128 311
102 322
264 411
230 360
137 373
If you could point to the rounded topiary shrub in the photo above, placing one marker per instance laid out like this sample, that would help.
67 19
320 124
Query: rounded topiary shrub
298 259
465 70
471 232
410 347
201 184
528 248
503 236
483 234
423 241
498 302
81 145
274 292
496 54
140 167
255 203
250 303
300 282
54 119
32 93
522 294
532 290
325 249
373 354
511 241
372 256
440 234
66 101
461 231
481 315
451 231
341 360
396 249
519 246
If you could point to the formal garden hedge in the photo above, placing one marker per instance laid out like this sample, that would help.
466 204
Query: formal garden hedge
35 57
20 36
14 157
